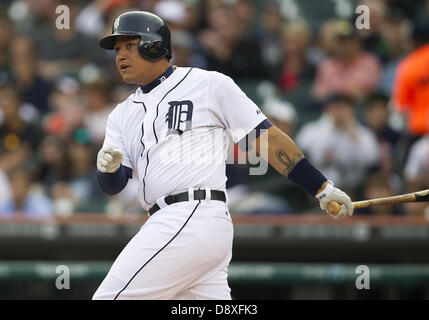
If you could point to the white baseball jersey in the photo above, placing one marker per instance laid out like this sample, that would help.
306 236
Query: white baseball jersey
347 159
175 137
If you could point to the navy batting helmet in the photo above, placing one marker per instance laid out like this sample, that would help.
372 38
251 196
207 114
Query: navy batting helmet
154 33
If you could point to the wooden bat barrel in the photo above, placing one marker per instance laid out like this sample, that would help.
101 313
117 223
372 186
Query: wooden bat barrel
419 196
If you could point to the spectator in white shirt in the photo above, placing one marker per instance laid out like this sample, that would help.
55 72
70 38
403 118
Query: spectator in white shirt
338 144
416 172
25 201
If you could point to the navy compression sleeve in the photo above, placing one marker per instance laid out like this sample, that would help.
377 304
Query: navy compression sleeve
307 176
113 183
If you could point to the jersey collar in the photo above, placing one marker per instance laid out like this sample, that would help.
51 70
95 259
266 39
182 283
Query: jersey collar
148 87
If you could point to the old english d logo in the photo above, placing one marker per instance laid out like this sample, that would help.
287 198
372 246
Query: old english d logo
115 25
179 117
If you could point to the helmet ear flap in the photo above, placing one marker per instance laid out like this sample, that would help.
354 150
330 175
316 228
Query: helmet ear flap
152 51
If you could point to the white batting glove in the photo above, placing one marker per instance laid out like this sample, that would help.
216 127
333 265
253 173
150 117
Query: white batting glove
109 160
330 193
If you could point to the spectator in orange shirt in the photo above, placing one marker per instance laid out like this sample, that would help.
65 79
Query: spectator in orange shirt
411 87
350 70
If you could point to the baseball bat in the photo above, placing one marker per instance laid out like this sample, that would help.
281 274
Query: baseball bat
419 196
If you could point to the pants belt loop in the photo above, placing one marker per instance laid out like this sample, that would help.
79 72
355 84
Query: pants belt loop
190 194
208 194
161 202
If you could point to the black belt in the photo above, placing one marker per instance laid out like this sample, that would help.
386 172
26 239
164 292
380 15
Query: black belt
198 195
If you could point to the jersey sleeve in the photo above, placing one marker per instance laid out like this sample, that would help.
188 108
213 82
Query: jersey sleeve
232 107
114 136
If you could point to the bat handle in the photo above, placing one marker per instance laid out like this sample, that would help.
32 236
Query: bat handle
333 208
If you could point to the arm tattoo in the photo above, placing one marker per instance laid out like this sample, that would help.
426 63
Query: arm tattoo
287 161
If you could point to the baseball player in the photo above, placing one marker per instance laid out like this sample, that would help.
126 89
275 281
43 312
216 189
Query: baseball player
184 248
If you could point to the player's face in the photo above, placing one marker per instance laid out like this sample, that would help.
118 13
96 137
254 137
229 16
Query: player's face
129 62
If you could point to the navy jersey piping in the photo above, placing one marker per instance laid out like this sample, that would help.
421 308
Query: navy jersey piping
135 274
141 139
154 132
157 106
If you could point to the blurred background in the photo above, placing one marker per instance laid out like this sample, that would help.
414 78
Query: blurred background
356 101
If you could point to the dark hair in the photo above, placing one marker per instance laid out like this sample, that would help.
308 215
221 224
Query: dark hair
377 96
421 32
338 97
378 179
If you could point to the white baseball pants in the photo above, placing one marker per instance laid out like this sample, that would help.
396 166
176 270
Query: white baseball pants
181 252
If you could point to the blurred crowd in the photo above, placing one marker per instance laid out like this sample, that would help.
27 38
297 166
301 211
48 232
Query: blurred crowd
356 101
